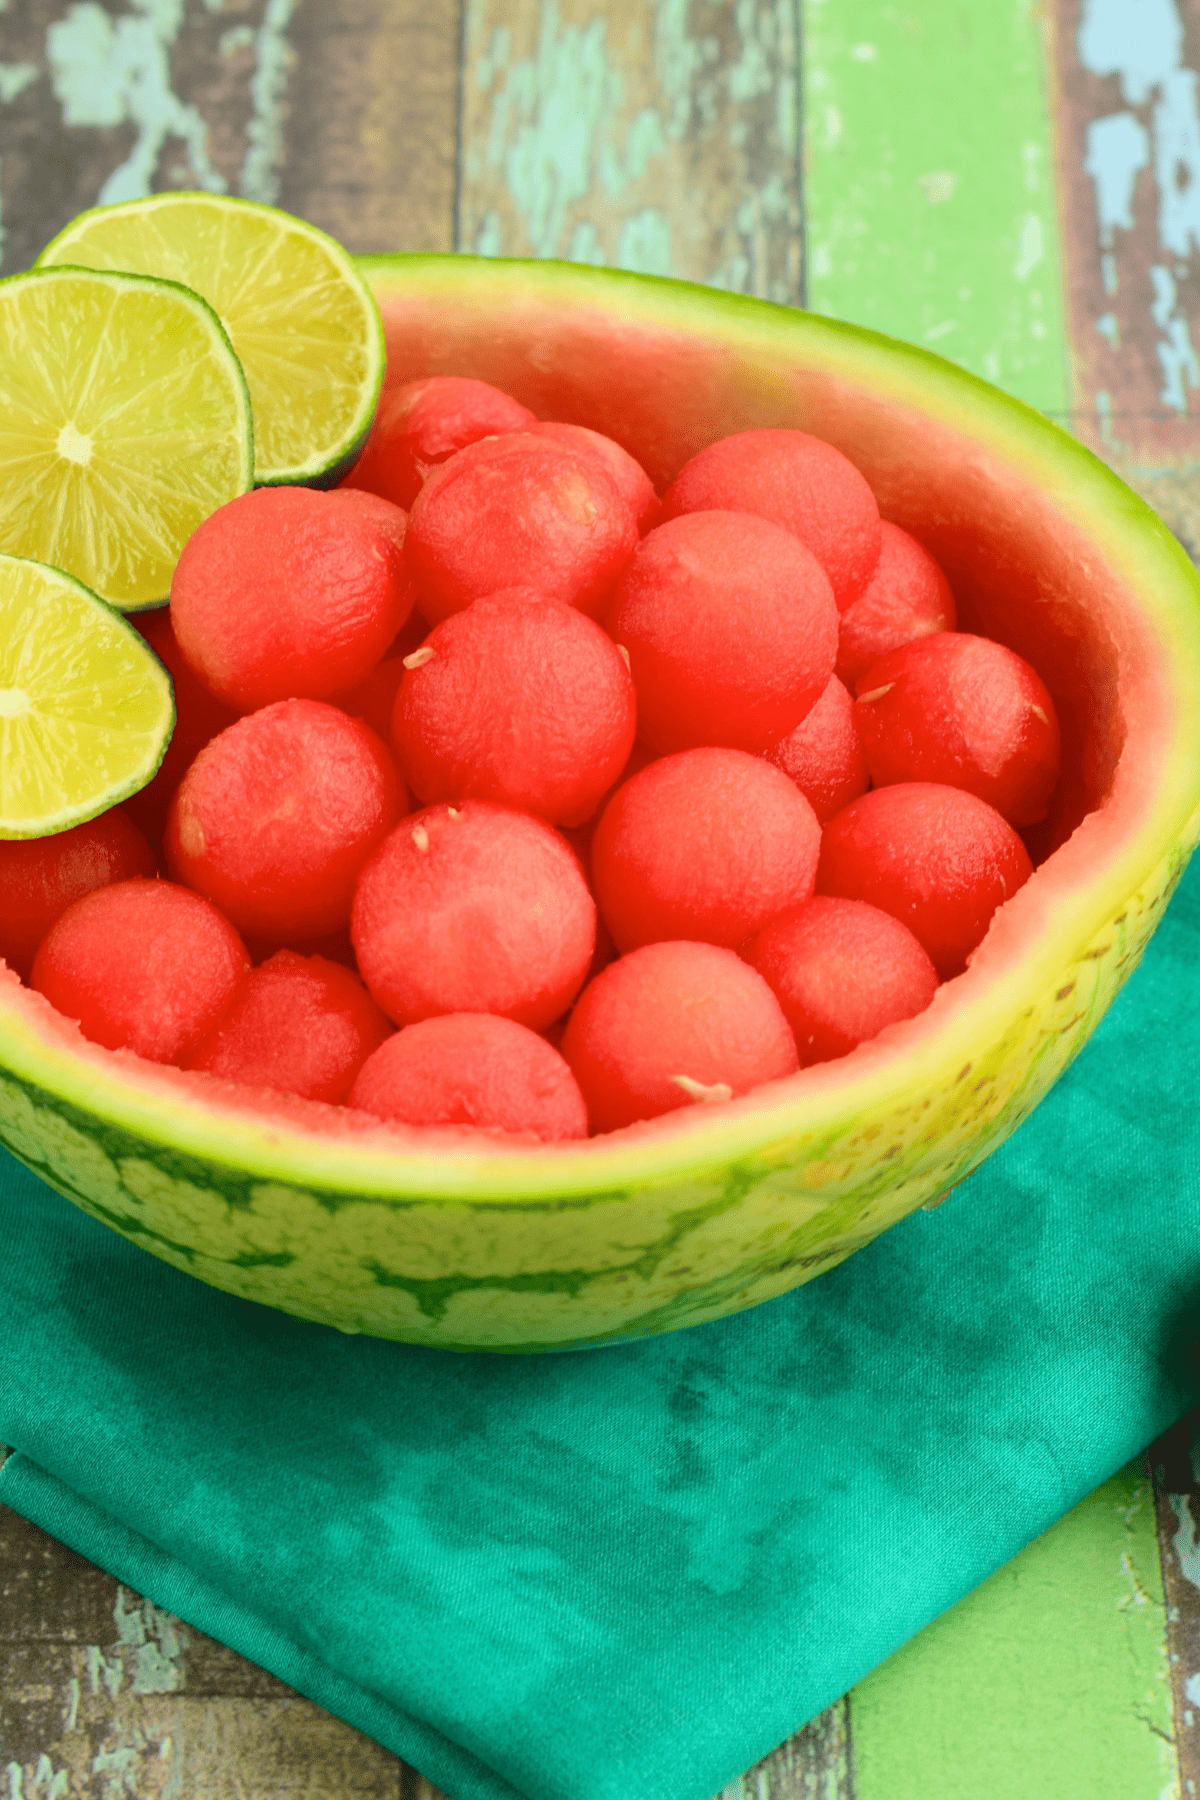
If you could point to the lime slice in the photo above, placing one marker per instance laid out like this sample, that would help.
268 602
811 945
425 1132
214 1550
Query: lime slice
124 422
301 318
86 708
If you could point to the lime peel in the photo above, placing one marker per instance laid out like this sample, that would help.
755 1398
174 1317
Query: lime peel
86 708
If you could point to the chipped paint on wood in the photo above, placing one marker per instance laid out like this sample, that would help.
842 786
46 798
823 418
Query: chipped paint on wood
929 193
814 1764
662 140
1128 118
1175 1465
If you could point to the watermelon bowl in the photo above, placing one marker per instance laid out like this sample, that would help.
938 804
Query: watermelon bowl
466 1243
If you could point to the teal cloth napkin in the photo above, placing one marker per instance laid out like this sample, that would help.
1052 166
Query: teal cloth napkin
626 1574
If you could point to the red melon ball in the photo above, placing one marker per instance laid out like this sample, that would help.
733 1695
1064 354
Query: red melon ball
474 1069
938 859
518 506
521 700
797 481
731 631
143 966
199 716
907 597
708 844
421 424
374 699
841 970
673 1025
635 485
275 818
389 520
298 1024
41 877
287 593
475 908
823 755
964 711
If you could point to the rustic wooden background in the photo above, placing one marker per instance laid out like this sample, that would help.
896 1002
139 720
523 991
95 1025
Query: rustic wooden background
1018 187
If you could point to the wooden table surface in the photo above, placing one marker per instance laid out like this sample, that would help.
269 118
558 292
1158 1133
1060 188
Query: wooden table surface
1016 186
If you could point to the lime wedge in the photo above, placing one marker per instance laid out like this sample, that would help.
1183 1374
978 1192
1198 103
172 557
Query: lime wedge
86 708
301 318
124 422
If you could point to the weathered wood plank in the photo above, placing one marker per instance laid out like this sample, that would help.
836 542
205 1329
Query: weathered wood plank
103 1693
815 1764
661 138
345 114
1175 1466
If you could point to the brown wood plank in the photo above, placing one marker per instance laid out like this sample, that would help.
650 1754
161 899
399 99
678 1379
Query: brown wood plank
664 139
345 114
1126 109
1174 1463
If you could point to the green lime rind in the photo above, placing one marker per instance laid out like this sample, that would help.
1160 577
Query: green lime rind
125 421
86 708
301 317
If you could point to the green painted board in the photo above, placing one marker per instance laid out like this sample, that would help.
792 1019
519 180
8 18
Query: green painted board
929 193
1049 1682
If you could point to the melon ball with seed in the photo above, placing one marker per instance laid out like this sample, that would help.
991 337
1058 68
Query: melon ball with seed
841 970
707 844
287 593
518 508
141 965
474 1069
629 475
41 877
674 1025
965 711
275 818
473 908
298 1024
938 859
823 755
797 481
907 597
421 424
731 631
521 700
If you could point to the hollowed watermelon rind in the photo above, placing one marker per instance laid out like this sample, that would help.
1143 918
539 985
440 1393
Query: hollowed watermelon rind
497 1247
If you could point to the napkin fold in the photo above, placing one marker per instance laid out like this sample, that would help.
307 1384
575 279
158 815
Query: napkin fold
632 1571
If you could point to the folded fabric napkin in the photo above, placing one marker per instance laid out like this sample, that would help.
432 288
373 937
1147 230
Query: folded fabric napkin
627 1573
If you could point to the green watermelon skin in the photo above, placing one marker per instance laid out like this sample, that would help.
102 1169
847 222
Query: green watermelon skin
575 1270
495 1247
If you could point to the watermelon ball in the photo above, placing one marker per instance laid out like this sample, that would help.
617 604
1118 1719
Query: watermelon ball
707 844
823 755
389 520
937 858
522 508
298 1024
473 1069
374 699
287 593
521 700
841 970
275 818
423 423
731 631
966 712
199 716
41 877
907 597
142 965
636 487
797 481
673 1025
473 908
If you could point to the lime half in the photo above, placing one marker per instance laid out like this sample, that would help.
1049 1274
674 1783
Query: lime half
301 318
124 422
86 708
